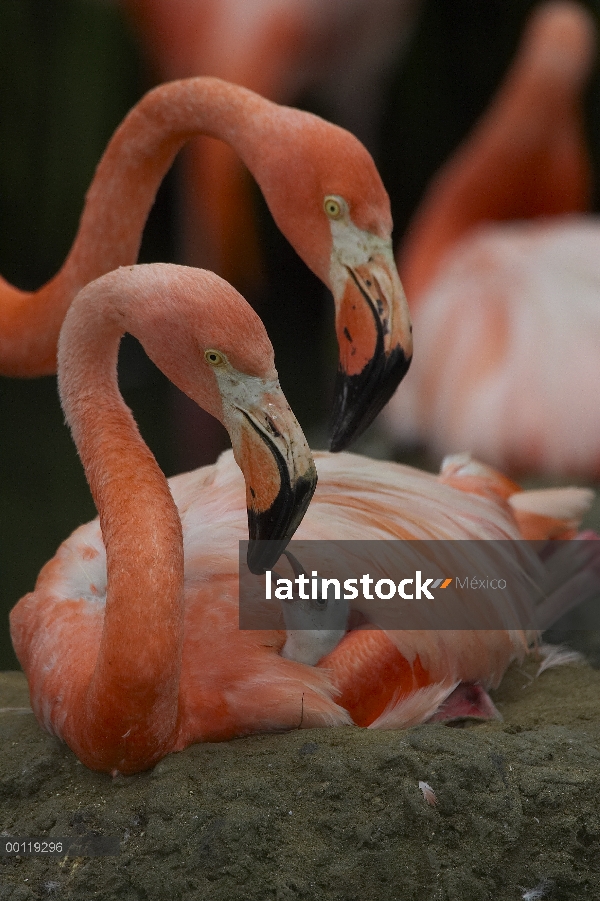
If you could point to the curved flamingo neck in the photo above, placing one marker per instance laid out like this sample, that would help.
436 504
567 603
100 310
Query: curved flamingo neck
118 202
527 157
130 704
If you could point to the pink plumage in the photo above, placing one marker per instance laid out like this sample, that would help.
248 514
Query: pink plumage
234 682
507 363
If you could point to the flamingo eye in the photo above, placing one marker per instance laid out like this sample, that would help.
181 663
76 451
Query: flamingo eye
214 358
334 206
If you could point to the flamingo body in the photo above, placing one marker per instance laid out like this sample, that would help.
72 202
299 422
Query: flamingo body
235 682
232 682
512 324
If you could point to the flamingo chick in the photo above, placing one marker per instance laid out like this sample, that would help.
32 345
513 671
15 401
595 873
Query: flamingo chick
107 654
323 190
507 311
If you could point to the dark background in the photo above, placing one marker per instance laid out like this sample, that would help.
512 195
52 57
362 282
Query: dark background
69 71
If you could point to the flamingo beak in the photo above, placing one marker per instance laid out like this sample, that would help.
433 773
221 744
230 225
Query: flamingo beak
375 339
280 477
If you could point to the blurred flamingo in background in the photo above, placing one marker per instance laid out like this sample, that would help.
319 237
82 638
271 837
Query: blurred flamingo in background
131 640
507 313
323 190
341 51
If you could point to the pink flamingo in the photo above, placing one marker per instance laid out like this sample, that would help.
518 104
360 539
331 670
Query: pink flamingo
109 637
130 640
323 190
507 312
343 49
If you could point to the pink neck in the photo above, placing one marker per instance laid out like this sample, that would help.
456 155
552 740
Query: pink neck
117 206
527 156
130 706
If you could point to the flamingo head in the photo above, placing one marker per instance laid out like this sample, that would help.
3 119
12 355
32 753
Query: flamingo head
208 340
327 197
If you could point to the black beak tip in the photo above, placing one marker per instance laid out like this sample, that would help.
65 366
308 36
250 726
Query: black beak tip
263 555
360 398
340 439
270 531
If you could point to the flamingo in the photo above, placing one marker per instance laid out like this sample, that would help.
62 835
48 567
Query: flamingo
507 311
342 50
109 647
323 190
130 639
